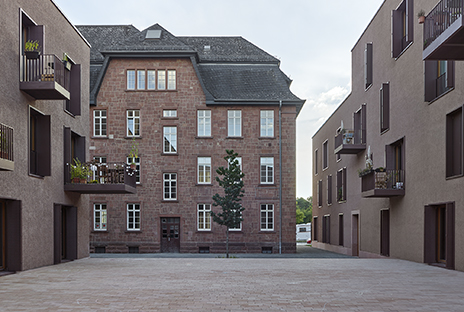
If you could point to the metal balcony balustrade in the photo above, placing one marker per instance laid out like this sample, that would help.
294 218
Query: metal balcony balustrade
110 178
349 142
6 147
45 77
386 183
443 31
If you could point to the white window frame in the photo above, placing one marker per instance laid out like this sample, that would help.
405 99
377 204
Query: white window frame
204 170
266 213
267 123
171 79
234 123
133 211
136 161
204 123
133 118
151 79
169 186
100 213
238 228
100 120
204 217
170 137
170 113
131 79
267 163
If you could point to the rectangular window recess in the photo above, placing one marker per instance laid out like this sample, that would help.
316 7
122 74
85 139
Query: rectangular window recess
266 250
134 249
203 249
101 249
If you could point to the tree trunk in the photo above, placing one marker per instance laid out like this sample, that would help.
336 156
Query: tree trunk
227 244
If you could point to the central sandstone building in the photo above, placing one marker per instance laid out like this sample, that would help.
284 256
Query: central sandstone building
179 103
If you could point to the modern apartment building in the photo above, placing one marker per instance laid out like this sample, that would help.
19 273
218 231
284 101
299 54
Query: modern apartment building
45 62
388 164
172 106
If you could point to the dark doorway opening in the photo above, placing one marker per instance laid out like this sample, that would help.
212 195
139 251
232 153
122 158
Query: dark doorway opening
65 233
170 234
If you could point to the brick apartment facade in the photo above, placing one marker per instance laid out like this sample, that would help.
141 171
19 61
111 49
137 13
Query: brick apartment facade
42 125
388 164
184 101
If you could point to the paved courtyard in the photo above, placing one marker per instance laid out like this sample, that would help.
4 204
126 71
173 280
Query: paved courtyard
235 284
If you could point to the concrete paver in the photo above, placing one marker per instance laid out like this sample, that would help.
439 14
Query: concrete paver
236 284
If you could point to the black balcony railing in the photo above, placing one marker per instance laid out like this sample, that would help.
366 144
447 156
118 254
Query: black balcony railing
6 142
388 182
445 13
348 136
101 178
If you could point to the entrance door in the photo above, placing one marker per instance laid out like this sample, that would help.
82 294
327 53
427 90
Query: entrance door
385 233
441 234
2 235
170 229
355 235
65 233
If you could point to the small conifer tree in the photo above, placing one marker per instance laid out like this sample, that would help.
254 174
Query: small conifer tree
231 182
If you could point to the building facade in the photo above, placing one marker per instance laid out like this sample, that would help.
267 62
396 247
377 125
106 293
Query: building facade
45 62
388 164
172 106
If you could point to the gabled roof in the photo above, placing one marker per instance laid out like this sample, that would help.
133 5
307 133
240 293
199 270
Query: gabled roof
231 70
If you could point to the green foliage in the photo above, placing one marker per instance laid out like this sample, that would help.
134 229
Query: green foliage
232 183
79 170
31 46
304 210
134 152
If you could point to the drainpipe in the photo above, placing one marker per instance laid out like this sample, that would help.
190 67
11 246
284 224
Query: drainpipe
280 176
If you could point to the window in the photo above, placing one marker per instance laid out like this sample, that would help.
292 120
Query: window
402 27
133 123
204 217
204 170
161 79
234 123
171 79
368 65
73 105
267 217
319 193
140 80
341 185
151 83
394 159
170 140
239 227
267 170
329 190
326 229
359 119
39 143
133 217
131 79
99 217
204 123
384 107
315 235
99 123
454 143
169 113
170 186
315 162
439 78
325 155
136 161
267 123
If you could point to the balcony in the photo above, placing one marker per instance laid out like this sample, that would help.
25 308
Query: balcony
6 148
386 183
349 142
444 32
113 178
45 78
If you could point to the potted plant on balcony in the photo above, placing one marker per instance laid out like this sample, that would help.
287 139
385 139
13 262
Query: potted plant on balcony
421 16
79 172
67 62
31 49
134 153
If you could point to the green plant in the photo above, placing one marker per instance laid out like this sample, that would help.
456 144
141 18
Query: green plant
94 181
363 172
421 13
79 170
31 46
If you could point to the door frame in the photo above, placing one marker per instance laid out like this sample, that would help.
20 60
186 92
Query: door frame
161 230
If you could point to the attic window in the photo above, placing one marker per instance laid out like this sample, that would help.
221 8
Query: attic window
153 34
207 48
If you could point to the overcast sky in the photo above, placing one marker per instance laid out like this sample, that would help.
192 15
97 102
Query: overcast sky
313 40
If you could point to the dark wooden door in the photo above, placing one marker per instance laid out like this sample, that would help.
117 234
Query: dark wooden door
170 234
2 235
385 233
